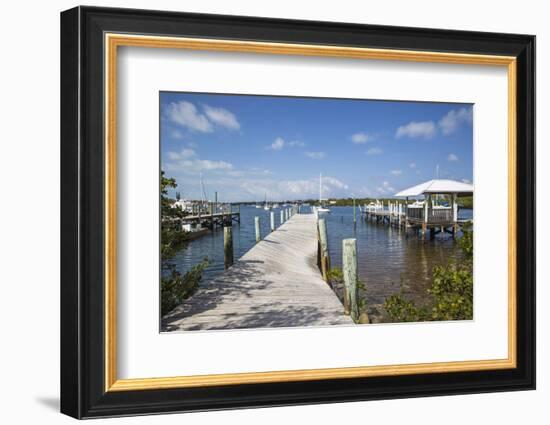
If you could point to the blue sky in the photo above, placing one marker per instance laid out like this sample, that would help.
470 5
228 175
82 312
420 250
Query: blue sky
245 146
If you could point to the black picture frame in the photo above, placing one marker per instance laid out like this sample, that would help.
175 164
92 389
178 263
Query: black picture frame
83 392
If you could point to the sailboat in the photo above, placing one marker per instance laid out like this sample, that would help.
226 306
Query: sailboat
267 207
204 198
321 209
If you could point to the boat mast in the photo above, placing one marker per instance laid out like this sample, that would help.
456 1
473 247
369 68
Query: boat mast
203 192
320 189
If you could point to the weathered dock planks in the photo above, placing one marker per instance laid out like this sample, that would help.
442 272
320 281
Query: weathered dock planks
277 283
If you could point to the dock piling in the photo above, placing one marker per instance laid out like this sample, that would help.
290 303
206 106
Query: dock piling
227 246
349 261
257 227
272 220
323 242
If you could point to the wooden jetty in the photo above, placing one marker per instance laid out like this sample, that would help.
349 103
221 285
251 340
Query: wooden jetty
277 283
213 219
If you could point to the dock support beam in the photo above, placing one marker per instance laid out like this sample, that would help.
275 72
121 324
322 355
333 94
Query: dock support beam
349 261
228 246
257 227
455 215
272 220
323 242
282 216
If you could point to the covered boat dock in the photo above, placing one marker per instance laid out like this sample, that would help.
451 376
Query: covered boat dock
429 214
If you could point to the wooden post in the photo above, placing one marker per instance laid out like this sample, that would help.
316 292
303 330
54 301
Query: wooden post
399 211
455 215
257 227
354 213
349 261
323 241
426 208
272 219
282 216
228 246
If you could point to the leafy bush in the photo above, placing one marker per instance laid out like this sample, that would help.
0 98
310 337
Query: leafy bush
402 310
176 288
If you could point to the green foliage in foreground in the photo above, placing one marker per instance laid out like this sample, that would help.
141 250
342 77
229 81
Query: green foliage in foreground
171 238
451 291
336 275
466 202
176 288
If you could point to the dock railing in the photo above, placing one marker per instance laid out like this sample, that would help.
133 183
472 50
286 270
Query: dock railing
435 215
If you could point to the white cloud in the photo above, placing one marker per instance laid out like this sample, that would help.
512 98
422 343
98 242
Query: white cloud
221 117
374 151
187 163
333 182
186 114
414 129
452 157
396 172
315 155
453 119
248 184
183 154
258 171
360 138
297 188
176 134
206 164
280 143
294 189
385 188
277 145
412 165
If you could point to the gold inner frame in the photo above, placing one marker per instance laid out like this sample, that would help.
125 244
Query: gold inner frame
113 41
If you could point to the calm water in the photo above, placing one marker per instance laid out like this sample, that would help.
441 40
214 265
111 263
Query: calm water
387 258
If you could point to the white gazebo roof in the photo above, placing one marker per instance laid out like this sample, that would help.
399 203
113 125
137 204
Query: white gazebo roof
437 186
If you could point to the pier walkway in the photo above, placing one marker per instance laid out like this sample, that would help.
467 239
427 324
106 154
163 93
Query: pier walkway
277 283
